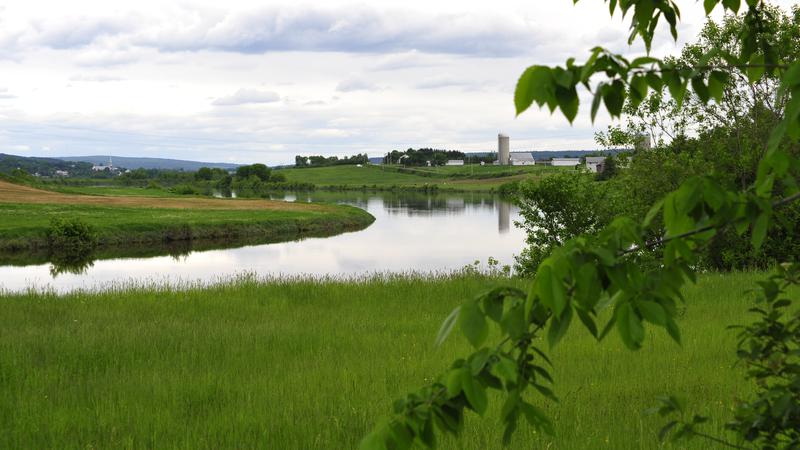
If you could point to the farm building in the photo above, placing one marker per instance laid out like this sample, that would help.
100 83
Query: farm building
566 162
522 159
595 163
455 162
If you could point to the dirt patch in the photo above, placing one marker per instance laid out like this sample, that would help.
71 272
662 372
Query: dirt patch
15 193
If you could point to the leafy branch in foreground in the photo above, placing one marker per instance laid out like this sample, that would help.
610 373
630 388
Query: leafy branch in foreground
770 351
590 274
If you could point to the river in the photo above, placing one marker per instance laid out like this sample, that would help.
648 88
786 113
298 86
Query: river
412 232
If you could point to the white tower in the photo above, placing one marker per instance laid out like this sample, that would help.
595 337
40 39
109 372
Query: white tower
503 155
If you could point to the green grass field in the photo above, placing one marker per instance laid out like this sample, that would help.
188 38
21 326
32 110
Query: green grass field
25 225
455 178
298 364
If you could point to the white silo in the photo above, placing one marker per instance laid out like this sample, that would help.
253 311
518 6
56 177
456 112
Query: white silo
503 155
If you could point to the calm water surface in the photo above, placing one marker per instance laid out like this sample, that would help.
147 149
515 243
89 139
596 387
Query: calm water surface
412 232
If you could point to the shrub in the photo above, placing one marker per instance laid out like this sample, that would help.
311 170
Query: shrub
72 235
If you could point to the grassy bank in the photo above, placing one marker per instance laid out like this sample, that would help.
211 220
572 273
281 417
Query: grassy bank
26 214
448 178
314 364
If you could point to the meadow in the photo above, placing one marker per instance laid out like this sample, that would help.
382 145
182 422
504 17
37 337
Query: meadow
26 214
453 178
314 364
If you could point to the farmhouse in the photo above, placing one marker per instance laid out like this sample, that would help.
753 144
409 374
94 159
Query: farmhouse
522 159
455 162
566 162
595 163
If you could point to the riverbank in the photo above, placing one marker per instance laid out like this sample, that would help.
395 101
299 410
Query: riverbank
473 178
26 215
302 364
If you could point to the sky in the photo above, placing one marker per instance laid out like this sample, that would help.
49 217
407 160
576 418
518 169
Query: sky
262 81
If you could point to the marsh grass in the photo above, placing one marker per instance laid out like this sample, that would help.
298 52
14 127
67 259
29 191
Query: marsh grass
314 364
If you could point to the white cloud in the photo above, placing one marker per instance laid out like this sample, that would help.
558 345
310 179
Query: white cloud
247 96
356 84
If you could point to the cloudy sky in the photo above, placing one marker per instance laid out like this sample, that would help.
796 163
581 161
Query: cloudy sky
261 81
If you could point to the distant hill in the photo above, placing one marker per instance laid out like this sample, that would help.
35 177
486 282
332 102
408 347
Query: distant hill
149 163
42 166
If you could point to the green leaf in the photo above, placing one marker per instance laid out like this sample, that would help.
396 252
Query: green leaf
653 312
588 322
568 101
629 326
558 327
700 88
673 330
654 210
473 324
447 326
638 88
537 418
614 97
675 84
760 229
755 69
732 5
475 393
598 97
535 84
453 382
654 81
550 289
373 441
506 368
709 5
716 84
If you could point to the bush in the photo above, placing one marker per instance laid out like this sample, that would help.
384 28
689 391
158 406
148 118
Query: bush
71 235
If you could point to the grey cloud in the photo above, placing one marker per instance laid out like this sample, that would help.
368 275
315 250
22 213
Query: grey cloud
247 96
352 30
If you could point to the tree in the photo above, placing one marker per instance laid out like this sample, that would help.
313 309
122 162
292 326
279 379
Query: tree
604 268
204 173
259 171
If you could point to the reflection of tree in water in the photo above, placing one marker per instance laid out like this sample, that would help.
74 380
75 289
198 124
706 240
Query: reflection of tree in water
178 250
70 262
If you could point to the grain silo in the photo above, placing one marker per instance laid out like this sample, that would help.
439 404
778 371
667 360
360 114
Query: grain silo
503 150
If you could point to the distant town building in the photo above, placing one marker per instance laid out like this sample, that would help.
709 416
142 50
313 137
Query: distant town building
101 167
521 159
62 173
565 162
455 162
595 163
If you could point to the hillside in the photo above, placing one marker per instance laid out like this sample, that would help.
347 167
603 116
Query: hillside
42 166
149 163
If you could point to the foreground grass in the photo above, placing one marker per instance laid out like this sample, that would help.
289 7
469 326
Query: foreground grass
454 178
314 364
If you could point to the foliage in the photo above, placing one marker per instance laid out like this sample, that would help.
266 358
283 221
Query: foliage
770 351
71 236
555 209
422 157
322 161
609 169
591 273
259 171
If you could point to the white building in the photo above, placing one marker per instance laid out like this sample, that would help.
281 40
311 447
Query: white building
62 173
101 167
566 162
503 145
455 162
521 159
595 163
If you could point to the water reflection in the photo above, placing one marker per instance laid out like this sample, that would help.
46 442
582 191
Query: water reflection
412 231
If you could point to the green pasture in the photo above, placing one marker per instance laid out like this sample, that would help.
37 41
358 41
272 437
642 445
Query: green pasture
304 364
25 225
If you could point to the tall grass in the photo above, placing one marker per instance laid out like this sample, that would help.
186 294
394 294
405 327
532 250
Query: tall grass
304 364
